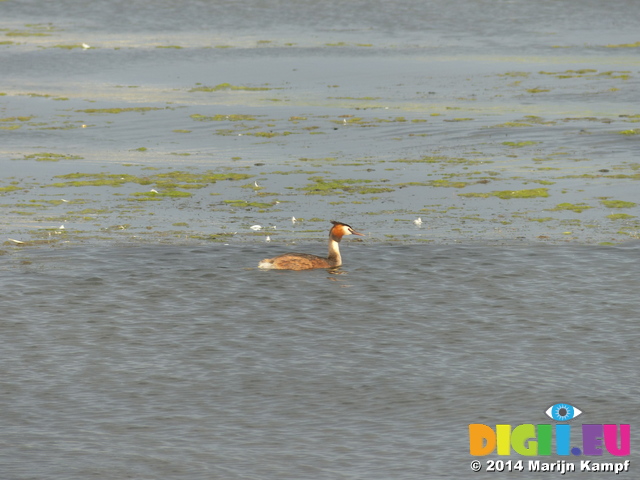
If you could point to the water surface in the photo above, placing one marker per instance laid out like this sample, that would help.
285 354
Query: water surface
189 362
139 143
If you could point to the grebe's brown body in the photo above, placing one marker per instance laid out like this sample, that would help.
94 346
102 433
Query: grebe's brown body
304 261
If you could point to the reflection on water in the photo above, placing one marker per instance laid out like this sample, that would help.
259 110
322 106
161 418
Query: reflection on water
189 362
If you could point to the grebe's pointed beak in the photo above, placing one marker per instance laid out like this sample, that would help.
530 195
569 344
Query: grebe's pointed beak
353 232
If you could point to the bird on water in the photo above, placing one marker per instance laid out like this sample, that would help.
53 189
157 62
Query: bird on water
304 261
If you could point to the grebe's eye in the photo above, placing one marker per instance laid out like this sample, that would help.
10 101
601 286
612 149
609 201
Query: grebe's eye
562 412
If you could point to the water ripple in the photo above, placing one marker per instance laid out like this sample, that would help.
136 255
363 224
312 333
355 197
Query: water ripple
144 357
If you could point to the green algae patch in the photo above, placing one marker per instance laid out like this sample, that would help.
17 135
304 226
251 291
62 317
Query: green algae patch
513 125
520 144
447 183
538 120
527 121
508 194
119 110
624 45
617 204
460 119
229 87
91 211
160 195
530 193
221 118
321 186
578 208
57 202
197 178
10 188
571 73
16 119
622 75
412 184
51 157
620 216
371 122
27 34
94 180
268 134
352 121
537 90
170 180
633 131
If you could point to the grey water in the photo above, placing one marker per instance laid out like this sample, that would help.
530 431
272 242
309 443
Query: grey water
187 362
180 360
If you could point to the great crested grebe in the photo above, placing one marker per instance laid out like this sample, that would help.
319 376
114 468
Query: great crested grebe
304 261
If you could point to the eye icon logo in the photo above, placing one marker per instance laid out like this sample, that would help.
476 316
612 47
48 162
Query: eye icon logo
562 412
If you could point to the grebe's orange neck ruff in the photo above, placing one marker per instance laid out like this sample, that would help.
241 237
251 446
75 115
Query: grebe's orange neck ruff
336 233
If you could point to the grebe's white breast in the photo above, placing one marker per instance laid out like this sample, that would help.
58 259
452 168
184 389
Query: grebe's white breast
266 265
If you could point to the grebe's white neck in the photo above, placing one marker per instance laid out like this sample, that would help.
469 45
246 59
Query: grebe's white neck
334 250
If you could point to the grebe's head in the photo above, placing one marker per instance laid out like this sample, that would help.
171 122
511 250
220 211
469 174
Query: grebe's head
340 229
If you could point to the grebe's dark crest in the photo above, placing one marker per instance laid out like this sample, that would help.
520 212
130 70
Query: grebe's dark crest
304 261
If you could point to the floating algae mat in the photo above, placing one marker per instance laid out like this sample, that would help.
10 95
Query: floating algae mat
506 194
198 137
170 179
